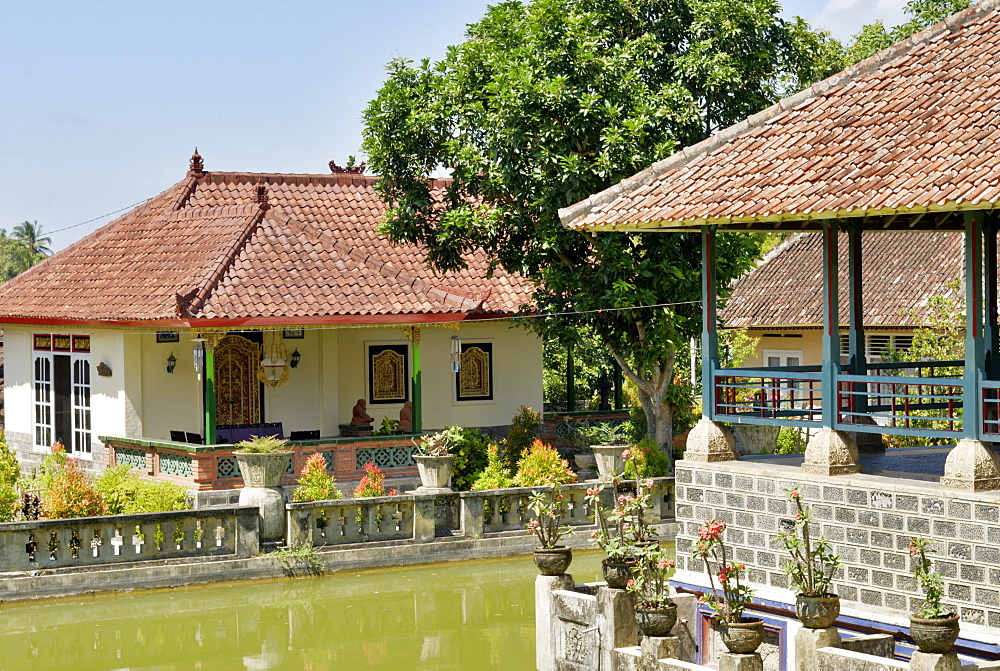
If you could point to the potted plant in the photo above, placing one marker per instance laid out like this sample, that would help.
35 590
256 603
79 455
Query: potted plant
578 446
622 529
435 460
655 613
934 628
549 507
741 635
811 570
607 440
263 460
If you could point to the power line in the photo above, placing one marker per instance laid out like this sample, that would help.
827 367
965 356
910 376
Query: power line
89 221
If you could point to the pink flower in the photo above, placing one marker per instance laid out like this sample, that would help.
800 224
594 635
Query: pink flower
630 583
593 492
649 482
626 454
795 494
533 524
662 563
593 534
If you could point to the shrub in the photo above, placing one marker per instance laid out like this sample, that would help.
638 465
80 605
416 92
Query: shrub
71 494
315 484
10 471
790 441
124 493
496 475
522 431
471 456
648 461
373 483
542 465
52 464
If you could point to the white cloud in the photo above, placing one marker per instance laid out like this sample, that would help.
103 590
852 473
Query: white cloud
845 18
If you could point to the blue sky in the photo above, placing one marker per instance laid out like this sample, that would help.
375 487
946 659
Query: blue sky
104 101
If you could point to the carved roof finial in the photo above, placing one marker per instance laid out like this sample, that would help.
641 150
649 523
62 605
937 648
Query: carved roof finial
350 167
197 164
261 197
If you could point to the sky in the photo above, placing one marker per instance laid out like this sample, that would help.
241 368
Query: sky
104 102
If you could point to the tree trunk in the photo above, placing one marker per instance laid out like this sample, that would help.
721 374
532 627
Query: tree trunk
659 415
659 421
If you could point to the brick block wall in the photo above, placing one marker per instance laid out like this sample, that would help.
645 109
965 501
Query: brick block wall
869 520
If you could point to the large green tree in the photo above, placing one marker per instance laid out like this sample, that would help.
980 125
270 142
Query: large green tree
921 14
549 101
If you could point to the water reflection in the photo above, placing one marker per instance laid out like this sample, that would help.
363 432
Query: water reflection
468 615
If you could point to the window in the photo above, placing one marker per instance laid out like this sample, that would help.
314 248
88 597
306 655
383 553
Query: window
877 345
61 381
474 379
782 358
388 374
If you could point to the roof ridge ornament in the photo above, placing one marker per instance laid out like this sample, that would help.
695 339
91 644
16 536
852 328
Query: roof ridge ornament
197 167
261 196
358 169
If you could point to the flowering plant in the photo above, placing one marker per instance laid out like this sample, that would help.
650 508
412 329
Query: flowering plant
930 581
735 595
623 526
813 562
549 507
439 444
373 483
649 578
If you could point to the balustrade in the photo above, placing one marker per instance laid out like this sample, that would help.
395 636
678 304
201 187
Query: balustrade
88 541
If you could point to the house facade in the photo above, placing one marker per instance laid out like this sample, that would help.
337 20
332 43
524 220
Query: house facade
238 304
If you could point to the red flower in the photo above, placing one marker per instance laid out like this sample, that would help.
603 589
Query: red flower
630 583
626 454
795 494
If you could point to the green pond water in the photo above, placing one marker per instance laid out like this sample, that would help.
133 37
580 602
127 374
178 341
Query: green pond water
463 615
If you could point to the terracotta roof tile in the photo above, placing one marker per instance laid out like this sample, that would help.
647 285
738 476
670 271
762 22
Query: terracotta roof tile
907 128
204 250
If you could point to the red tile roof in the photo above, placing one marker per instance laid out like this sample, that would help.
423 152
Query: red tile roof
205 251
900 273
913 129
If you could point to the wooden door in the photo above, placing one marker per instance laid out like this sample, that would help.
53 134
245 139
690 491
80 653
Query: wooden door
237 389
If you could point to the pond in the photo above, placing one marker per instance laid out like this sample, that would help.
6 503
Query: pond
462 615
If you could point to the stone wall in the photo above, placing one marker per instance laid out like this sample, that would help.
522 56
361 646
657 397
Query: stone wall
870 520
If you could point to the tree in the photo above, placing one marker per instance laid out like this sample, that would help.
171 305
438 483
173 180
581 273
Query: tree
30 233
874 37
549 101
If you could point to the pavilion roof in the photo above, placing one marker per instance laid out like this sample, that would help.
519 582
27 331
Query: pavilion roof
254 249
910 135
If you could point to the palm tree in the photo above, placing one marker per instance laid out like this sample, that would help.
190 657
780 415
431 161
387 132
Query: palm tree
30 233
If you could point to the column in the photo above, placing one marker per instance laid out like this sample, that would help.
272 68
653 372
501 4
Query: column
710 321
418 405
991 330
210 435
570 380
831 322
975 341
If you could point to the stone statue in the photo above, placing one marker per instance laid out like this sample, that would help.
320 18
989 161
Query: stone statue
361 416
406 418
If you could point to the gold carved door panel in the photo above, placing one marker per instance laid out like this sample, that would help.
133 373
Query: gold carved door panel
237 390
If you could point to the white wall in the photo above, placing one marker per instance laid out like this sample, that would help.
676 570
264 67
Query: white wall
17 381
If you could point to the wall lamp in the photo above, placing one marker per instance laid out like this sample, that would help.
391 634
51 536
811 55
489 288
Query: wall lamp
295 358
171 363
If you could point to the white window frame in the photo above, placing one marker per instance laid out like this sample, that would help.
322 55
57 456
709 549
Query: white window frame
79 442
782 354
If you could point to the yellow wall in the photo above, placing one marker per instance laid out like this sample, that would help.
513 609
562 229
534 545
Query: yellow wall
810 344
168 401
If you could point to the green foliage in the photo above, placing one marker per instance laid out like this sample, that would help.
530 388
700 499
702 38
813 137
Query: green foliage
22 249
549 507
387 428
813 563
10 471
315 484
923 14
542 465
647 461
521 433
496 475
262 445
303 553
70 494
790 441
930 581
125 493
736 346
471 457
550 101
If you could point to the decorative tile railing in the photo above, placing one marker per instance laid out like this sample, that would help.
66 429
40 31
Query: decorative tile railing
89 541
133 458
396 456
175 464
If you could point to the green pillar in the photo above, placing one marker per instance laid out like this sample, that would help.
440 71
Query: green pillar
570 380
831 323
210 436
975 341
991 329
709 329
857 363
418 405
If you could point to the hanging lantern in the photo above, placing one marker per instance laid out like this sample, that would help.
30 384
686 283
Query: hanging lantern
295 358
273 370
456 354
171 362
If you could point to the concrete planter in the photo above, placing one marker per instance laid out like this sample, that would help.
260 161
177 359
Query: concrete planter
742 637
262 475
937 635
435 472
263 470
817 612
656 621
609 460
617 572
585 461
553 561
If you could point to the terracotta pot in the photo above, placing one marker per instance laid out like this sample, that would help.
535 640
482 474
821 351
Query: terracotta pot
817 612
609 459
435 472
263 469
617 572
656 621
553 561
934 634
742 637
